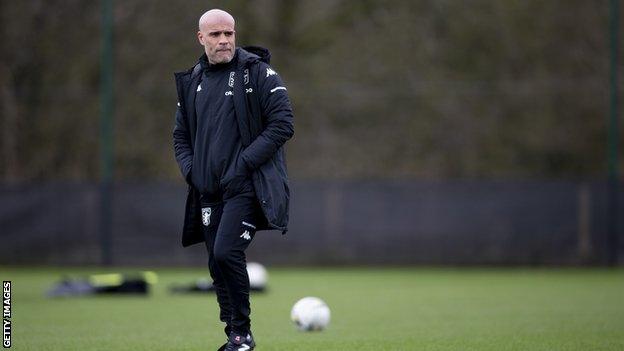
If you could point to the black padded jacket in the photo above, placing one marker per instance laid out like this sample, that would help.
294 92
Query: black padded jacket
265 122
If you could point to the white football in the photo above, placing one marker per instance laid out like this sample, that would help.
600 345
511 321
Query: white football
258 275
310 314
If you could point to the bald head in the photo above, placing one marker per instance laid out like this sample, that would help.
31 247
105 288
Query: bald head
215 16
216 34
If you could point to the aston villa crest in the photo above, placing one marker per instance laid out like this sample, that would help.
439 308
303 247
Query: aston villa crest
206 211
231 80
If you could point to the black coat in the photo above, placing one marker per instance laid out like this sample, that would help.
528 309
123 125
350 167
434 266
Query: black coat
265 122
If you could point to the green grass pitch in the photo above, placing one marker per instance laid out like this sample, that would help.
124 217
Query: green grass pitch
372 309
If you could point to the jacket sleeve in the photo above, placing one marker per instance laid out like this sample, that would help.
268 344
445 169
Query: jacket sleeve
182 144
277 118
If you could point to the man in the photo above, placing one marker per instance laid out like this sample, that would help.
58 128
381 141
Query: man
233 118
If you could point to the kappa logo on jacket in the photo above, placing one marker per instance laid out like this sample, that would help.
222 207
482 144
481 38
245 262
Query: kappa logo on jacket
270 72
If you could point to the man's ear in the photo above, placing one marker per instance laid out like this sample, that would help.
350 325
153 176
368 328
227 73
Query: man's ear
200 37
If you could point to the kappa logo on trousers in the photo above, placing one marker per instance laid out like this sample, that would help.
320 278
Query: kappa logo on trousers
246 235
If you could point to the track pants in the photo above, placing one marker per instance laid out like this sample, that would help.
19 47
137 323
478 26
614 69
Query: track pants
230 228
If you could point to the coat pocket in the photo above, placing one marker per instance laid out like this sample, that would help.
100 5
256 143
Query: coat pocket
192 231
273 194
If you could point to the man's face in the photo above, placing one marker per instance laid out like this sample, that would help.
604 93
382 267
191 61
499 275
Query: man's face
219 40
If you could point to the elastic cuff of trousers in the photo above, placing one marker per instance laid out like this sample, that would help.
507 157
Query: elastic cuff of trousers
241 331
227 330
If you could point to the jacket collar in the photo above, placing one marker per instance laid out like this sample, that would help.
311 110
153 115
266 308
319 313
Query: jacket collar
207 66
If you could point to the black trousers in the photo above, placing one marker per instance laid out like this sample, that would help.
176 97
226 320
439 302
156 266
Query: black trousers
229 227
